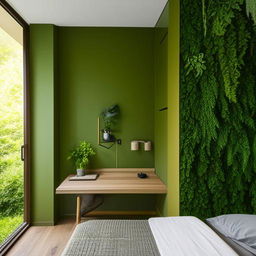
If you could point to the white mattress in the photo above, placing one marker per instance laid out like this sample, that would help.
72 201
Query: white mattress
187 236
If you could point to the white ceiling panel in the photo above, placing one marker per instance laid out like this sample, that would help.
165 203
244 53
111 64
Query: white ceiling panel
98 13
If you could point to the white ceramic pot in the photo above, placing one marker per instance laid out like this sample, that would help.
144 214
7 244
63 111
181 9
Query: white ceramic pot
106 135
80 172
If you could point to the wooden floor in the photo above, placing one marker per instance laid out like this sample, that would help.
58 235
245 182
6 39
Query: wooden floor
44 241
51 240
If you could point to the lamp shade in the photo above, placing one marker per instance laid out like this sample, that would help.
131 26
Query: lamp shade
147 146
134 145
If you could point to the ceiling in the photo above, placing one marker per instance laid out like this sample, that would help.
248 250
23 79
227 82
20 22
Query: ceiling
10 26
100 13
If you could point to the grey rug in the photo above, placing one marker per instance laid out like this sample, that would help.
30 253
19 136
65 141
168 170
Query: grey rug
112 238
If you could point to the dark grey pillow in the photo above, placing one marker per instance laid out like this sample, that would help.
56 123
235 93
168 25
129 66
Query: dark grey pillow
241 228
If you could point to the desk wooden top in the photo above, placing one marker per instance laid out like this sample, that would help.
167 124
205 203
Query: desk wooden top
115 181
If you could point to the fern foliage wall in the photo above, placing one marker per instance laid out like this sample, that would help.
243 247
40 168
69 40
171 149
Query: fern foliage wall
218 107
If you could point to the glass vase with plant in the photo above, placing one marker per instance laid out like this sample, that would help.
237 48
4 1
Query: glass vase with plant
109 116
80 156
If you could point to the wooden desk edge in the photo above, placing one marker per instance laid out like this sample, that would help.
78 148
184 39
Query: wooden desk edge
110 192
122 170
161 188
150 189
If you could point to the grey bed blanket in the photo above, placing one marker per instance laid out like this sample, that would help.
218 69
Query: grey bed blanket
112 238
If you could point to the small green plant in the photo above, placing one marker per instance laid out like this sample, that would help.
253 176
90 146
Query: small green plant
81 155
109 116
251 9
196 64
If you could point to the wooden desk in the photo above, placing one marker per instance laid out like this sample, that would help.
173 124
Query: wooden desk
114 181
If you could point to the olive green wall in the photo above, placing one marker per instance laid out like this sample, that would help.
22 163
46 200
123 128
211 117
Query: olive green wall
75 74
167 69
99 67
42 84
173 137
160 97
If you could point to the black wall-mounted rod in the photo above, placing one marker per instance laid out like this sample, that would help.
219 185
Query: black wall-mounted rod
165 36
162 109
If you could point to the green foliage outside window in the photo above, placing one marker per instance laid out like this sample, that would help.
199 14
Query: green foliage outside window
218 108
11 135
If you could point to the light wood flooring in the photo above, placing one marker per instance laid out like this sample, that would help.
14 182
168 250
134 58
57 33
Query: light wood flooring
51 240
44 241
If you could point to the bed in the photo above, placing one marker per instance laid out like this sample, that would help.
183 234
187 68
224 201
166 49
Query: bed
167 236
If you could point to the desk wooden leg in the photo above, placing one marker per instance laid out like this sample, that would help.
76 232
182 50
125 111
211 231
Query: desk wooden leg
78 209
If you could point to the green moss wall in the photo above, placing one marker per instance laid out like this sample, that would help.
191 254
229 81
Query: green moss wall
99 67
218 108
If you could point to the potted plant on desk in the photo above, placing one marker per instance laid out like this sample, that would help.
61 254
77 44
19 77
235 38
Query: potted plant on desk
80 156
